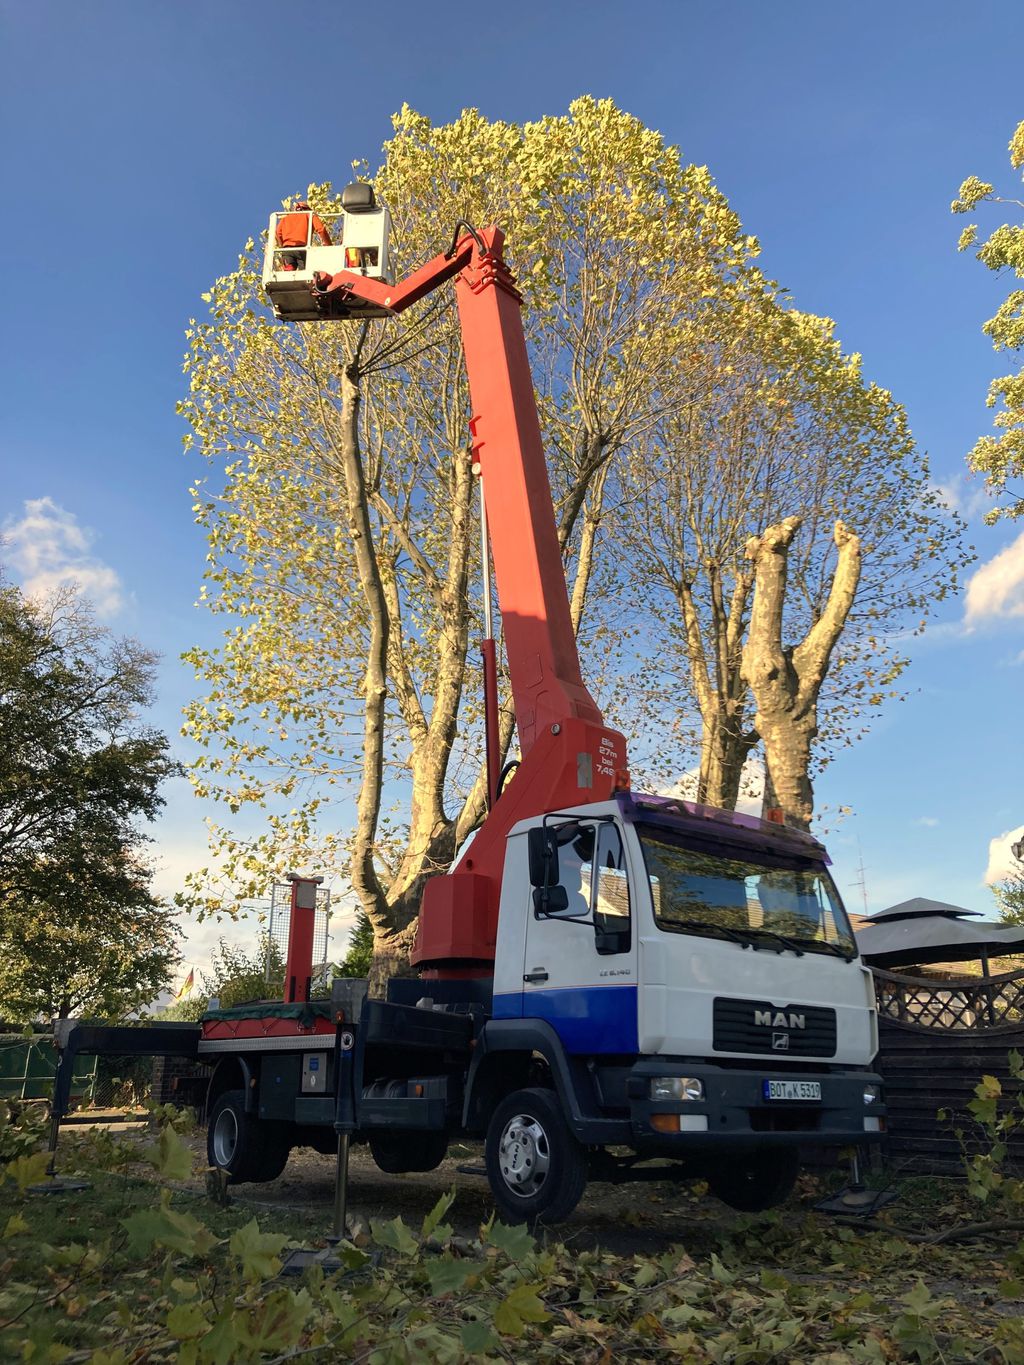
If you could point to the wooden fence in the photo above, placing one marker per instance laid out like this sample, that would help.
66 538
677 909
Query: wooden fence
936 1040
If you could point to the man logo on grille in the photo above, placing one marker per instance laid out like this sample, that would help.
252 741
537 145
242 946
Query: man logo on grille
780 1042
779 1019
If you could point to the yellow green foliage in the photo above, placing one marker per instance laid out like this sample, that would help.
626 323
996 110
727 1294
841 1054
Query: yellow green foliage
618 247
999 457
659 351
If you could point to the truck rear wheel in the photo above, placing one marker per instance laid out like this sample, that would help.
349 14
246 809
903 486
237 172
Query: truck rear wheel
397 1153
248 1148
536 1168
757 1181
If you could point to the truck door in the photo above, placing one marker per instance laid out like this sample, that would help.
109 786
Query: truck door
579 970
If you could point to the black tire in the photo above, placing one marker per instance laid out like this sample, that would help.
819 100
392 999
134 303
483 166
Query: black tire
397 1153
536 1168
757 1181
249 1149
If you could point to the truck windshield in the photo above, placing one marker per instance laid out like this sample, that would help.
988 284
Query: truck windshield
736 898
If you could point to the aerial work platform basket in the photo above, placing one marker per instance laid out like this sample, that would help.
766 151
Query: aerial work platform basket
295 254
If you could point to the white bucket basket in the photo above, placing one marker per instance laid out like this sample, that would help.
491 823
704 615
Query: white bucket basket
359 243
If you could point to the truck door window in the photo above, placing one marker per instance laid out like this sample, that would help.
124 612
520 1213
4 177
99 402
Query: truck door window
592 871
575 856
610 896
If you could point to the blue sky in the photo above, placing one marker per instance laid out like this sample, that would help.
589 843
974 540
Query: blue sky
143 142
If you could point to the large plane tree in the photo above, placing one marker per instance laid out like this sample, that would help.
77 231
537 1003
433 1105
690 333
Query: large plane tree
684 408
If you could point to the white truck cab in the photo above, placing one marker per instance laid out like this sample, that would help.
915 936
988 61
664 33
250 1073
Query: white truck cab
692 984
670 943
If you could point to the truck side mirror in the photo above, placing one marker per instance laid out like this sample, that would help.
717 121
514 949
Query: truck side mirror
542 845
550 900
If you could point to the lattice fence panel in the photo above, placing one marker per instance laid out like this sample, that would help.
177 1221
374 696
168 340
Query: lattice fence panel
995 1002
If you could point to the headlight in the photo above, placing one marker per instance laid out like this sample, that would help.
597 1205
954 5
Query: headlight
677 1088
872 1094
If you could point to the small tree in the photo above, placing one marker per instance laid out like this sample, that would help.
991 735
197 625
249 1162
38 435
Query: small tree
80 931
1001 457
238 977
1009 894
359 957
80 955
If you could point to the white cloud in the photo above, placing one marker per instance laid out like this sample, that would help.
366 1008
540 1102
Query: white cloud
950 492
959 496
49 549
751 786
929 821
1000 859
997 588
932 633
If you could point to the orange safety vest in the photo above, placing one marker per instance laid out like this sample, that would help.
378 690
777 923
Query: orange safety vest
293 229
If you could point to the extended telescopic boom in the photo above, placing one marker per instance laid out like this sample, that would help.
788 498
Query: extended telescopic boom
569 756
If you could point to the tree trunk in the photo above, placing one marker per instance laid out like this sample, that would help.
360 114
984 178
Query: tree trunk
769 800
720 689
786 681
390 957
365 881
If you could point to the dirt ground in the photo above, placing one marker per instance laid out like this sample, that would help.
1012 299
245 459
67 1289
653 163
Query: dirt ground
645 1218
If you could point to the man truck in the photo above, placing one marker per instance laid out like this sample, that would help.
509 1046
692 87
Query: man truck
609 985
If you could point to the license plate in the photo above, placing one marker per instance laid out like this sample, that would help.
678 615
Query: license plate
791 1090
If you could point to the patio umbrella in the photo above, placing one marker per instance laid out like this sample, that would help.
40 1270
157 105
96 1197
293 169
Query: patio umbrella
920 931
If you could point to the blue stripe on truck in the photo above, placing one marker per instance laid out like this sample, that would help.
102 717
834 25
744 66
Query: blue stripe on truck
588 1019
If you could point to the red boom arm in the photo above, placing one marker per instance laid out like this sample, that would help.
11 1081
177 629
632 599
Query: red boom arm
569 757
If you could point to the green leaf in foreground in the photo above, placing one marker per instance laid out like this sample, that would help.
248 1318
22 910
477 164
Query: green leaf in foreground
186 1320
514 1242
396 1235
27 1170
448 1275
520 1307
276 1322
257 1251
171 1155
433 1218
477 1337
165 1227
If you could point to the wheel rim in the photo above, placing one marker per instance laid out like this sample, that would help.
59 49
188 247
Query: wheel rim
524 1156
225 1137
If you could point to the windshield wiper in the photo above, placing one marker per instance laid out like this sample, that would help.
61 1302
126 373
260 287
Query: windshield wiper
802 946
814 944
792 943
706 927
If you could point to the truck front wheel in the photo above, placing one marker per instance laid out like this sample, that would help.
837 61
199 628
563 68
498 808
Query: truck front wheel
758 1181
248 1148
536 1168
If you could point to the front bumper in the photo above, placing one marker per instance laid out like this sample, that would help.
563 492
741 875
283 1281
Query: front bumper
734 1112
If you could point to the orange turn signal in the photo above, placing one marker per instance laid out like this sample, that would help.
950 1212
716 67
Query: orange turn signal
665 1123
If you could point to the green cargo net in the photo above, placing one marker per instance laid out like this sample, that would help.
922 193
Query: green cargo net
305 1011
